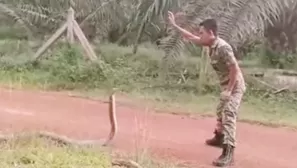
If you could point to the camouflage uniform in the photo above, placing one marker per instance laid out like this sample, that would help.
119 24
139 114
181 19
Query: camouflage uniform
221 55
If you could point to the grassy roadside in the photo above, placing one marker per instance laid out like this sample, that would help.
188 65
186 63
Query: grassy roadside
34 152
141 77
141 82
30 152
253 110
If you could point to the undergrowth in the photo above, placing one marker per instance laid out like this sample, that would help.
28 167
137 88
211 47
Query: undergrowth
33 152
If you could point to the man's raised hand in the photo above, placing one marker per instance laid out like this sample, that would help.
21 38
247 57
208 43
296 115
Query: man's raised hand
171 18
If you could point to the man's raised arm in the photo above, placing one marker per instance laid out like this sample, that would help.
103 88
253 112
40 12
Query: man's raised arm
188 35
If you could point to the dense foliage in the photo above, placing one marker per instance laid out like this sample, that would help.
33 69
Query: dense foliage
253 27
136 21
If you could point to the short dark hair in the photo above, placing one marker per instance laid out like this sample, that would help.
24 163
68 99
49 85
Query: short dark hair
210 24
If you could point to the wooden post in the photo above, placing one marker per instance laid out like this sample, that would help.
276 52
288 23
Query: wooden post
72 28
50 41
84 41
70 18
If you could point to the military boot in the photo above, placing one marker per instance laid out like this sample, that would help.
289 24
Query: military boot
217 140
226 158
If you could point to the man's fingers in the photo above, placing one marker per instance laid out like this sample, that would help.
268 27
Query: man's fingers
170 14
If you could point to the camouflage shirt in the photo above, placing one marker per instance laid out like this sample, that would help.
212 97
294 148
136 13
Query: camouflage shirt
221 56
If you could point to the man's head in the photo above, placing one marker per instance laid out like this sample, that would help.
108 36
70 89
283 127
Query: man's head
208 31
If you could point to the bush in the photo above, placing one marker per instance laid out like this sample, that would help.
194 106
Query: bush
66 68
279 60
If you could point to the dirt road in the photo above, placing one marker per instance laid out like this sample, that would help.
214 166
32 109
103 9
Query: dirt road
165 135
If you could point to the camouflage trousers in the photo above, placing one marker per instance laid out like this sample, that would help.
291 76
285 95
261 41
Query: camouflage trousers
227 111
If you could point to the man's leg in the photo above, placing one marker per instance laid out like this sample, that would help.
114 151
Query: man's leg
218 139
229 119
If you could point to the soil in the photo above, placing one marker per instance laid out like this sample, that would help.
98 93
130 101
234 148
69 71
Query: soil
166 136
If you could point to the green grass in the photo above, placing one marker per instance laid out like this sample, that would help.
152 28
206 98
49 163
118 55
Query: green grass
141 76
35 152
141 79
254 110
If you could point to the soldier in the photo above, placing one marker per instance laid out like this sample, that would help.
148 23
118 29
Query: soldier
232 85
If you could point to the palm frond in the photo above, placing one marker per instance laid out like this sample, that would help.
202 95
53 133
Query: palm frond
246 18
281 33
149 10
239 20
9 12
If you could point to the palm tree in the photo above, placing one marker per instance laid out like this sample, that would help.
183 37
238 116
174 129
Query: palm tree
239 20
47 15
281 35
129 21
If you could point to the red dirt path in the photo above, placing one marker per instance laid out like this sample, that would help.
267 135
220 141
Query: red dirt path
165 135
